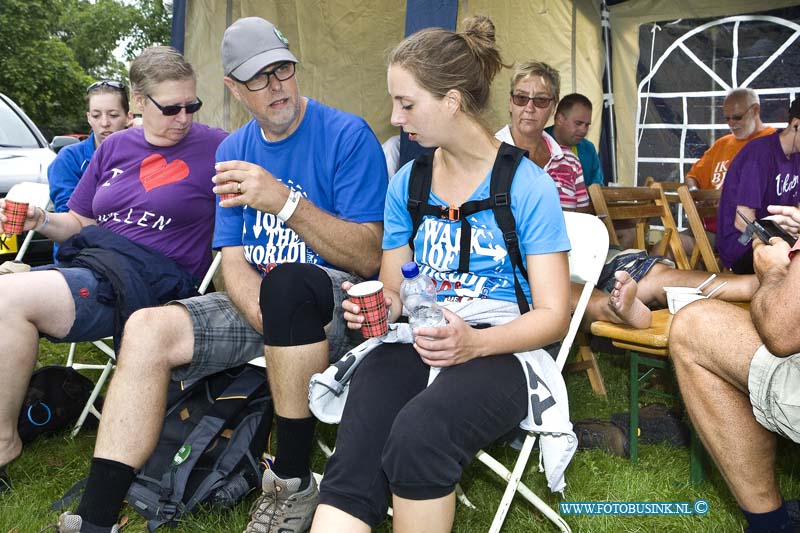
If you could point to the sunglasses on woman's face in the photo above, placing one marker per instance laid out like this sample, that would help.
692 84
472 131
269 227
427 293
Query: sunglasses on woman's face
172 110
522 100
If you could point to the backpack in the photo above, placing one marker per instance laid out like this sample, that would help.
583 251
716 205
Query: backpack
209 450
499 201
54 401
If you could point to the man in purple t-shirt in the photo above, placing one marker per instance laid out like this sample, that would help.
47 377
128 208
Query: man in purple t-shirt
765 172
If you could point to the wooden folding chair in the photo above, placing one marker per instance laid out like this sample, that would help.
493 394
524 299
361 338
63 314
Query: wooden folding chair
696 206
639 204
111 357
699 205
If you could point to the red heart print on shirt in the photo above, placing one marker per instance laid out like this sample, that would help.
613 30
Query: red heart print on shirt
156 172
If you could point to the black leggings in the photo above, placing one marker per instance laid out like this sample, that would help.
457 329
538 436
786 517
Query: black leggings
396 436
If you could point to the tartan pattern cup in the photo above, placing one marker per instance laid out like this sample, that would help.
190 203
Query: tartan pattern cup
228 195
368 296
16 213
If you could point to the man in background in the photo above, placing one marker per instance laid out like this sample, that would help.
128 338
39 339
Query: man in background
742 112
570 127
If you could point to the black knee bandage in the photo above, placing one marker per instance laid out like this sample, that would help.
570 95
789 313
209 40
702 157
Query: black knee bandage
296 304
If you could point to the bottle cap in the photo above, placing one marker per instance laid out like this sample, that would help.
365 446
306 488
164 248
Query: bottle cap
410 270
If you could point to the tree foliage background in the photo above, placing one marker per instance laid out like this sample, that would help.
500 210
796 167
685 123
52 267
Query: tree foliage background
51 50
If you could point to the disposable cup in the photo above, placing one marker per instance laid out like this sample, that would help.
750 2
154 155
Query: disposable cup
682 290
228 195
16 213
678 300
368 296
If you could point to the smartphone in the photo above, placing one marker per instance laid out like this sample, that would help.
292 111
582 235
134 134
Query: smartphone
765 229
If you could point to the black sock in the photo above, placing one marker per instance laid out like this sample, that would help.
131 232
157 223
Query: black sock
106 488
777 520
295 441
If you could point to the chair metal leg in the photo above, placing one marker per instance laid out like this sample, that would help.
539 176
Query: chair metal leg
89 407
514 479
696 459
634 407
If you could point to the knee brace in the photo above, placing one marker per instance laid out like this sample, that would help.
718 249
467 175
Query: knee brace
296 304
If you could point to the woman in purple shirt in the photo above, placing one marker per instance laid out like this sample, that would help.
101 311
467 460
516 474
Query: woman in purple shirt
151 185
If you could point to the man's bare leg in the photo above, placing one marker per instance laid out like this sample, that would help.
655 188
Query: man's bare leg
712 361
156 341
620 307
651 287
290 370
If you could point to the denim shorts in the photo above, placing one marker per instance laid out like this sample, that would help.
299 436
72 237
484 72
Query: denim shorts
223 338
635 262
774 385
93 320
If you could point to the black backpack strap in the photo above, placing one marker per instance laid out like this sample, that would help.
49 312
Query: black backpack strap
505 166
419 190
499 201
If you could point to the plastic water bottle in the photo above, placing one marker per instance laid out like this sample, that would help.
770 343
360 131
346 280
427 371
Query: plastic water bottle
418 294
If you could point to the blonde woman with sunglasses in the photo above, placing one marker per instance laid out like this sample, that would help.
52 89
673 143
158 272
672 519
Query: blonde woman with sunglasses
535 90
137 234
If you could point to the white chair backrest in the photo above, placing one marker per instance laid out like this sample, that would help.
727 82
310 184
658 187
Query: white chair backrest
589 239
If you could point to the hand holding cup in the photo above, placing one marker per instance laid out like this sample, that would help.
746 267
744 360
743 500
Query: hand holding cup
366 307
16 216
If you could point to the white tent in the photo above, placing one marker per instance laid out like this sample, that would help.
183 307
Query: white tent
342 47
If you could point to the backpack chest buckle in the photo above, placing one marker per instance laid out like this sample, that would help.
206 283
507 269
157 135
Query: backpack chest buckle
451 213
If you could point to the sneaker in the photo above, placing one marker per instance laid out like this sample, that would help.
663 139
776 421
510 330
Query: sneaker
282 508
72 523
596 434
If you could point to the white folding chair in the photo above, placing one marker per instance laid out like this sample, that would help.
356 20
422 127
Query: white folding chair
111 357
589 239
37 194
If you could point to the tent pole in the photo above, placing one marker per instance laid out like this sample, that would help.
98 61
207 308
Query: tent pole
226 94
608 95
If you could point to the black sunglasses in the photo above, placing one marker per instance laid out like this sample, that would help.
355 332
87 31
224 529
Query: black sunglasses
522 100
172 110
118 85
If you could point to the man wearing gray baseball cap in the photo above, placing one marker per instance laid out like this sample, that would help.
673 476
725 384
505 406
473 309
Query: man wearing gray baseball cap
302 188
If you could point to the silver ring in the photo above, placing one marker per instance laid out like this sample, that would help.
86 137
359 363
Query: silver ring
239 187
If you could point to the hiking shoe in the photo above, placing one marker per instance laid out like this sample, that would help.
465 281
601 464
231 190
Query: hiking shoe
282 508
72 523
657 423
596 434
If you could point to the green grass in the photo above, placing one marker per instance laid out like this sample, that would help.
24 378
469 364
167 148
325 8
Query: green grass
49 466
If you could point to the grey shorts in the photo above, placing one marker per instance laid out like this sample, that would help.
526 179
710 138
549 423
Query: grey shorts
223 338
774 385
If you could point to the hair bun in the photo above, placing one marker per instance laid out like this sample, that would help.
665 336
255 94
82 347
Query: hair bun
479 26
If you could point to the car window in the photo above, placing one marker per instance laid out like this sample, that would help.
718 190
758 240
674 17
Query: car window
13 131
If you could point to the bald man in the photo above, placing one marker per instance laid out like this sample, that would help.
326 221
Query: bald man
742 112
